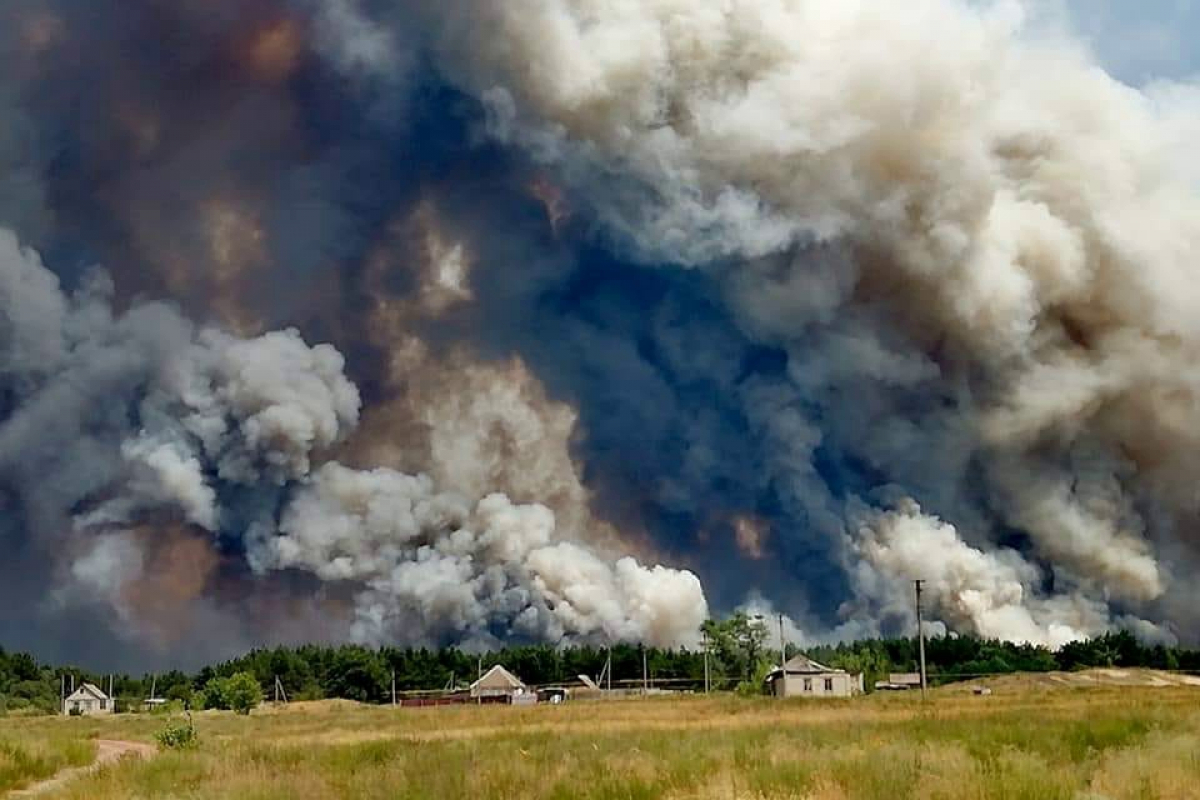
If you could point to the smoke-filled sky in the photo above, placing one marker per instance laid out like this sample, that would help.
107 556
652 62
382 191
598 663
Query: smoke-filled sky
582 320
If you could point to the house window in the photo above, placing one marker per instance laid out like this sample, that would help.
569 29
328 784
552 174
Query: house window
829 684
808 684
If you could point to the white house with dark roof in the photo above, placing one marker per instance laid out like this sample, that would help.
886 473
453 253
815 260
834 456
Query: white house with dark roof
87 700
498 683
803 677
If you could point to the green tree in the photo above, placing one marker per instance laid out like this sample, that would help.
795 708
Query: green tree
243 692
357 673
215 694
739 645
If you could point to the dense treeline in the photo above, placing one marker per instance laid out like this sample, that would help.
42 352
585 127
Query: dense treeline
740 655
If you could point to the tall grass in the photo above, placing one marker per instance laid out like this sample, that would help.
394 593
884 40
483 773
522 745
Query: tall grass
28 759
1060 745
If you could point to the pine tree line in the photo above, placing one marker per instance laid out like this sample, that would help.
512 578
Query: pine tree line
741 652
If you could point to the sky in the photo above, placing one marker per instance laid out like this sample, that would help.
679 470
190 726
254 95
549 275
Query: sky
1139 41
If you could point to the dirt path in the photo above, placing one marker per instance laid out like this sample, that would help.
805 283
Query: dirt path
107 752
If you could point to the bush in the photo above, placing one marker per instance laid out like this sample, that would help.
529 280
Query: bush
178 736
240 692
243 692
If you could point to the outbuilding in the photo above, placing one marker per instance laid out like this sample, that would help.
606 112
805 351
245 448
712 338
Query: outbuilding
803 677
899 682
87 700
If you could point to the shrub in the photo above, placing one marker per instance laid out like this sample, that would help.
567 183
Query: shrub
243 692
215 694
178 735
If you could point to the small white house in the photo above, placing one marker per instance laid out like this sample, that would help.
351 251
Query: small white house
87 700
803 677
499 685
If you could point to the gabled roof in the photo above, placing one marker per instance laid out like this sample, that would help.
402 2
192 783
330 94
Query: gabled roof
497 678
803 665
800 663
88 691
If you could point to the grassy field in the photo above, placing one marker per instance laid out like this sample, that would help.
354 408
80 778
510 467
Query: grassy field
32 756
1053 743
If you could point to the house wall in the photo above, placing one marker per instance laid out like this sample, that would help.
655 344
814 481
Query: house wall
88 706
834 684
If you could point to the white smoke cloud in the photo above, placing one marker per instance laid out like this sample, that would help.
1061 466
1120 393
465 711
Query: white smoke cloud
991 592
437 564
219 419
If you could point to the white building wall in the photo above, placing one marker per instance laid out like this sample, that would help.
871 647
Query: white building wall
838 684
88 705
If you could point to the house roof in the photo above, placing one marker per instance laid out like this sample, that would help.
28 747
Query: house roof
498 678
803 665
88 691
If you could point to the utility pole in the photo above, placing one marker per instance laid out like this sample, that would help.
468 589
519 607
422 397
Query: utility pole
920 637
645 673
608 667
394 688
782 648
62 693
707 685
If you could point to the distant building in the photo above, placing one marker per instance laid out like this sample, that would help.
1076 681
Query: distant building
803 677
899 682
498 685
579 688
88 700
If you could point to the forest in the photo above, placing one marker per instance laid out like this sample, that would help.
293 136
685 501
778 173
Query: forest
740 653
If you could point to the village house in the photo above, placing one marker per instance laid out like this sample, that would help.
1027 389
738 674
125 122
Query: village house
498 685
87 700
803 677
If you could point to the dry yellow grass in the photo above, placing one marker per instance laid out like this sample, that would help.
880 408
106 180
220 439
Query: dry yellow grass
1034 745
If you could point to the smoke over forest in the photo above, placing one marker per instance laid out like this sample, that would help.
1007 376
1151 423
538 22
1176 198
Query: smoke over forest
577 321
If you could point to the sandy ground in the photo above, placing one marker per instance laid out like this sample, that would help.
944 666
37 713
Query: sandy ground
1024 681
107 751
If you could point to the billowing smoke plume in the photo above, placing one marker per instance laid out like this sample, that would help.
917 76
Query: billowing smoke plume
972 248
805 299
140 416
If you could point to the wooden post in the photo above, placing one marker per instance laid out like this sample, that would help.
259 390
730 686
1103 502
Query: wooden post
921 638
645 673
782 647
